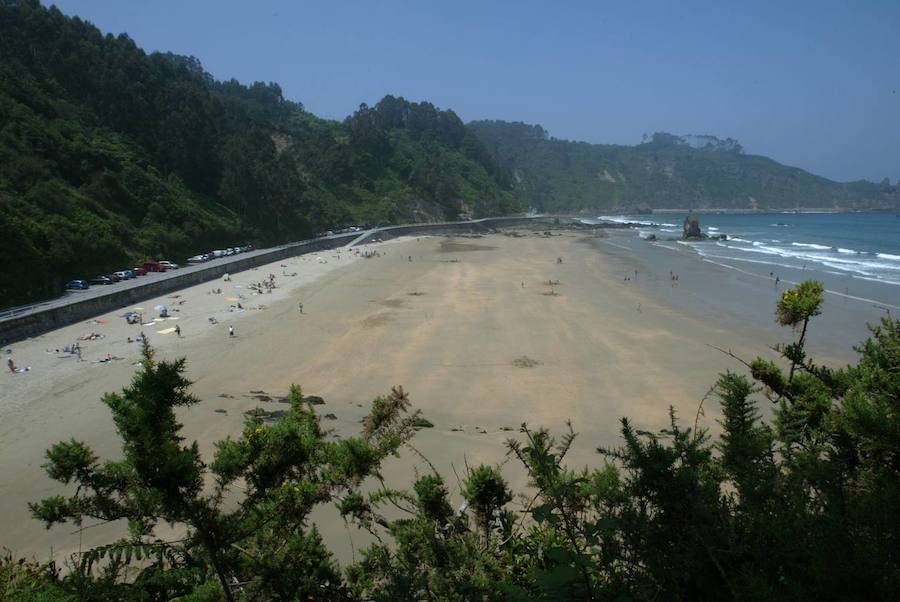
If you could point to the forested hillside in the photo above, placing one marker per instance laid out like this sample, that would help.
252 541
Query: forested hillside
665 171
110 155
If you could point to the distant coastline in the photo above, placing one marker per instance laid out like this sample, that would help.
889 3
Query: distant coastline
773 210
734 211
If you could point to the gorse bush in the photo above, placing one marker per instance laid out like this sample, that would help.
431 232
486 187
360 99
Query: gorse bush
802 507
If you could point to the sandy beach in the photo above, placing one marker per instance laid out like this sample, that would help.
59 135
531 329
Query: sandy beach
470 327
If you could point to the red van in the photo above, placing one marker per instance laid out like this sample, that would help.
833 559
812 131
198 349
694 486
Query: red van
154 266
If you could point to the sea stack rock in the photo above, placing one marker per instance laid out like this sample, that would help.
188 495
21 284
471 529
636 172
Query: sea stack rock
692 227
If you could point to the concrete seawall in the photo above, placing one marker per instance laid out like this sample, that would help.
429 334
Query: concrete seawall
82 306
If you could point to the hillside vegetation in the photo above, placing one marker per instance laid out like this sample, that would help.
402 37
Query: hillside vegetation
110 155
665 171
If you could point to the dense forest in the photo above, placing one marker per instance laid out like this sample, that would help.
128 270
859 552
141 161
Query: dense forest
802 506
664 171
110 155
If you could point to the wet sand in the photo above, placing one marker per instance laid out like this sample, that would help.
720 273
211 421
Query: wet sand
469 327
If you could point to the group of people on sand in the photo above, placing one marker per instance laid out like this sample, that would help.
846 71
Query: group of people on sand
266 285
73 349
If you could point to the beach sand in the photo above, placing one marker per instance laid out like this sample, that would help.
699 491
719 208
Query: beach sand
470 328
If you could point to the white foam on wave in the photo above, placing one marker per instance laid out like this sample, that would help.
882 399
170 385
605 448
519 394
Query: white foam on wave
846 264
807 245
838 261
619 219
711 229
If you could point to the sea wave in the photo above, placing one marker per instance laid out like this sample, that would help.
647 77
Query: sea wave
619 219
883 267
809 245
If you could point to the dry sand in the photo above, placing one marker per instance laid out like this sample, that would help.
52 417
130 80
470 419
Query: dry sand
469 327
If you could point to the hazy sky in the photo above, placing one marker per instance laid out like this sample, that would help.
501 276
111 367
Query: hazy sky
813 84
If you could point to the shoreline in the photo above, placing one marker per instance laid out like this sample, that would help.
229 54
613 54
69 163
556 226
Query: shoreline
451 320
729 211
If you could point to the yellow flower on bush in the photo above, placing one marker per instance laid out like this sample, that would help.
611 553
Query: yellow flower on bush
800 303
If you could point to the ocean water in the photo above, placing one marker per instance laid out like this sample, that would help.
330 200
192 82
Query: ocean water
859 245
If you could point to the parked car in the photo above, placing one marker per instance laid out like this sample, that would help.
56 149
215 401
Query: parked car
154 266
114 277
169 265
138 271
219 253
198 259
102 280
125 275
77 285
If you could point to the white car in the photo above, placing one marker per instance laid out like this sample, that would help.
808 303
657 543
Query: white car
169 265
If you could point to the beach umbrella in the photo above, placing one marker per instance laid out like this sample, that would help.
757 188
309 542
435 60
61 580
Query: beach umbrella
160 308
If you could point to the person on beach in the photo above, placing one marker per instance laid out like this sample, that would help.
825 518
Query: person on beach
300 305
178 330
12 365
230 330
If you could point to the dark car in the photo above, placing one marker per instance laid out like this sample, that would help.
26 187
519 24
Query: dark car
77 285
102 280
139 271
114 277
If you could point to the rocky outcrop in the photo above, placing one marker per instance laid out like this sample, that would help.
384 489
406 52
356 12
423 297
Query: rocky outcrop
691 228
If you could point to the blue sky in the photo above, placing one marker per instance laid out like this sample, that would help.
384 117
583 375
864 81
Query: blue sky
811 84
